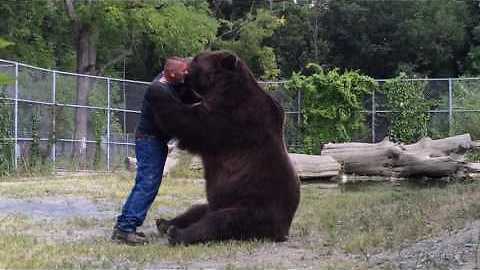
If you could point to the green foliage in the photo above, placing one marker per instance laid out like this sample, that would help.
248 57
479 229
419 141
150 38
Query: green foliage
377 36
4 79
35 158
439 28
295 43
466 96
4 43
177 29
473 156
409 117
24 24
250 44
332 102
6 144
473 61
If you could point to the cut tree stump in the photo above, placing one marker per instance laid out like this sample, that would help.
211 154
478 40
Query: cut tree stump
426 158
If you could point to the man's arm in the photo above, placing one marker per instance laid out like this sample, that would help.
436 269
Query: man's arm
194 124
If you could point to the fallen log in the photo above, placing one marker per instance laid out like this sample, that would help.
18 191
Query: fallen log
308 167
473 167
172 158
426 158
386 160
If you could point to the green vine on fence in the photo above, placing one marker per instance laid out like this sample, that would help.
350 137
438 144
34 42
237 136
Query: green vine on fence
35 158
332 105
6 144
409 117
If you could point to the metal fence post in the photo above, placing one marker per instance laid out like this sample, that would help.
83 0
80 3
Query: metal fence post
450 107
16 150
374 112
125 134
54 116
108 124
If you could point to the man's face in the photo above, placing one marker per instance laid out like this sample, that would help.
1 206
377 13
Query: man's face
176 70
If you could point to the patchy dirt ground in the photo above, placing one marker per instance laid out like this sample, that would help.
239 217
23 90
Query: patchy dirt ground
451 250
55 208
59 216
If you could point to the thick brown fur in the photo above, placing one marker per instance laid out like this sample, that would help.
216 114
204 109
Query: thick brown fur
237 129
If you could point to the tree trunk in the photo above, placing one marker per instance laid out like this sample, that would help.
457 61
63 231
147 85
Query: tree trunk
84 39
86 61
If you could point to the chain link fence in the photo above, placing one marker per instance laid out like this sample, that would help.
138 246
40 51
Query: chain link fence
45 126
41 112
45 115
454 108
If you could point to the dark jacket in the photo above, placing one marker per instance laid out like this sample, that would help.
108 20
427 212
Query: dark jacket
146 125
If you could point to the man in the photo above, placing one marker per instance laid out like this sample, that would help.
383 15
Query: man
151 152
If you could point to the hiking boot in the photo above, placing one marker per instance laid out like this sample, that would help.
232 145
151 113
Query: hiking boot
141 234
129 238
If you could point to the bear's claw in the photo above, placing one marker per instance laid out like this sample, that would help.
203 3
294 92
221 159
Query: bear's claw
162 225
173 235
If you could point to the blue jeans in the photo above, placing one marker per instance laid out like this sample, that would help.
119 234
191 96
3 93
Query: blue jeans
151 153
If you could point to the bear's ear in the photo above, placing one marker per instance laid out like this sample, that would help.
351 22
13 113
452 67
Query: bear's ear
230 62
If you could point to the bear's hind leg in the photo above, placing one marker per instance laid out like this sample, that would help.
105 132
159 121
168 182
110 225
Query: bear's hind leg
192 215
223 224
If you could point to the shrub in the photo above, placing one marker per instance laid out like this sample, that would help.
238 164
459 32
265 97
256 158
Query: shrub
409 117
332 105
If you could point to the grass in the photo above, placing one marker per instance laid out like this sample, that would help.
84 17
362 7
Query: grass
473 156
375 218
333 229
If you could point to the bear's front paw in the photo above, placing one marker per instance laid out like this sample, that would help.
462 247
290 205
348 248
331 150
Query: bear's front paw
174 236
162 225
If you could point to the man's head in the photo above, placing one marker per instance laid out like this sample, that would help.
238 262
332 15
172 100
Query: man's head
176 69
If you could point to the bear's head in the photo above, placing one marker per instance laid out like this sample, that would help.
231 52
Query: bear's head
216 71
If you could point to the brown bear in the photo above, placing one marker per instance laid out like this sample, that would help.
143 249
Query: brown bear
237 129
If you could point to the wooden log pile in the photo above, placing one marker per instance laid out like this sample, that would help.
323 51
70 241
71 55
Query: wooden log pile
386 160
425 159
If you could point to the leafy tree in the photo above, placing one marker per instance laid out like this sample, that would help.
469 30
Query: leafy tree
298 41
113 28
435 35
473 56
237 9
473 61
379 36
23 23
331 107
6 146
249 43
4 79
